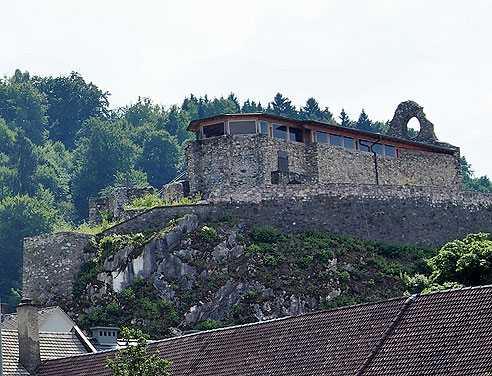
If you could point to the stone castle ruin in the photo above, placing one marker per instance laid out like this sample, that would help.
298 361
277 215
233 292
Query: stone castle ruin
241 152
289 174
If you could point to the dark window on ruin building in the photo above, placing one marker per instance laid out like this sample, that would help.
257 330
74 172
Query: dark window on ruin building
263 127
364 145
390 151
213 130
283 161
335 140
322 137
279 131
296 134
242 127
348 142
377 148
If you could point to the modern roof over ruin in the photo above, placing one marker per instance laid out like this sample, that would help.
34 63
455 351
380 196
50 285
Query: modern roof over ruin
436 146
443 333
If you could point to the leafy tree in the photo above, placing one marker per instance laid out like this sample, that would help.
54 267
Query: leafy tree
470 182
23 106
103 149
159 158
22 216
142 112
71 101
176 124
130 179
467 261
134 360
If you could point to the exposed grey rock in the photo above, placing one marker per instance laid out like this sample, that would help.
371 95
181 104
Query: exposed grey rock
164 290
333 264
188 253
171 266
175 332
155 258
221 302
231 241
237 251
221 252
118 259
258 312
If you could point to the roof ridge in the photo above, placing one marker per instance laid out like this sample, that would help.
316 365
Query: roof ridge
386 333
456 289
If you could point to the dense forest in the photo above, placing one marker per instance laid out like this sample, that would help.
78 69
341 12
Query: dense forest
60 144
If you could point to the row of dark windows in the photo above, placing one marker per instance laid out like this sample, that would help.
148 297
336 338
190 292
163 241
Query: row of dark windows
285 132
352 143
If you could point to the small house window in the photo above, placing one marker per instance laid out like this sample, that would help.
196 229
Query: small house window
377 148
390 151
364 145
264 127
213 130
349 142
279 131
242 127
283 161
322 137
296 134
335 140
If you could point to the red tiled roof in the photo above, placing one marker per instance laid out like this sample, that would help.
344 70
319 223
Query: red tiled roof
445 333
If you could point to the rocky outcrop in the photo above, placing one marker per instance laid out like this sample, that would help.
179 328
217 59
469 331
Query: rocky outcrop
155 261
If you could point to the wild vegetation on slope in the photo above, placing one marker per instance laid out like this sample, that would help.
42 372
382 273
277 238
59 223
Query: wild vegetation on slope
241 275
61 144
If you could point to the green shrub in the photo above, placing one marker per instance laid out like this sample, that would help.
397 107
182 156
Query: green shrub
252 250
345 276
209 324
264 234
270 260
305 262
148 201
208 234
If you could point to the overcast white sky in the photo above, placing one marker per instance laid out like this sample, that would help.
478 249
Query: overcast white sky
355 54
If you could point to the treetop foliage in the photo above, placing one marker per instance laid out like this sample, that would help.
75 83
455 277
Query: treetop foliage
134 360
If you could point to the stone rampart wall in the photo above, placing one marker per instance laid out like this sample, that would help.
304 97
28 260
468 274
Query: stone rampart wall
409 214
51 265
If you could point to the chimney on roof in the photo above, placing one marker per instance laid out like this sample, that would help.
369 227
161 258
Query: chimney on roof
105 335
3 308
28 331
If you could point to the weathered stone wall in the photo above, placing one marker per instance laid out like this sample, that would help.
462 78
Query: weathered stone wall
405 214
409 214
97 205
249 160
51 265
114 204
175 191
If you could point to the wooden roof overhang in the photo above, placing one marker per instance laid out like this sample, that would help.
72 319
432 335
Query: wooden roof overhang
324 127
